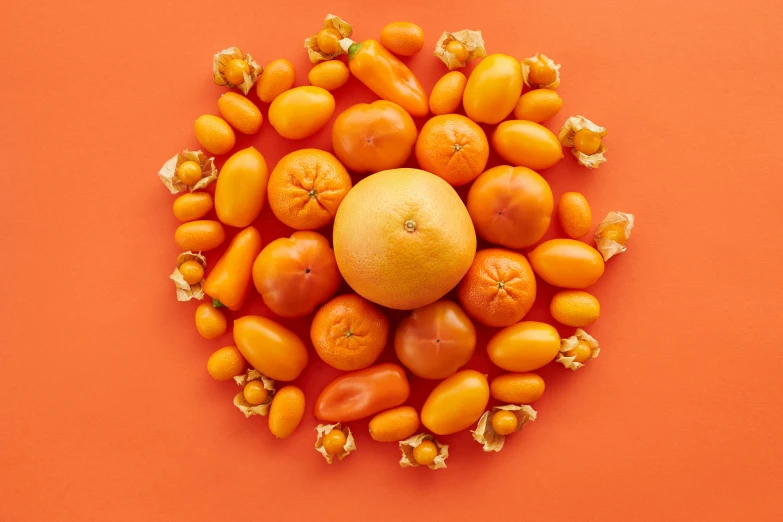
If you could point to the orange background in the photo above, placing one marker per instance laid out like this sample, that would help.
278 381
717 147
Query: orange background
107 412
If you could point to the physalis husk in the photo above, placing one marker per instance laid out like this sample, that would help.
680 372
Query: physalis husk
311 43
488 437
613 233
408 445
224 57
239 400
573 125
185 291
571 355
348 447
471 46
168 172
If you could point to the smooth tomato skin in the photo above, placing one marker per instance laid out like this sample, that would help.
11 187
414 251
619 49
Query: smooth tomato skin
371 137
229 280
567 263
270 347
435 341
240 190
296 274
362 393
527 144
300 112
456 403
493 89
524 347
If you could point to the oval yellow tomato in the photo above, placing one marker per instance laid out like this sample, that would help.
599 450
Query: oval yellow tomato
567 263
456 403
240 191
493 89
270 347
527 144
524 346
301 112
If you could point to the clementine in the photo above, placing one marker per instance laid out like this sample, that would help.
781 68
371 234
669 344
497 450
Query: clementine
499 289
306 187
349 332
403 238
453 147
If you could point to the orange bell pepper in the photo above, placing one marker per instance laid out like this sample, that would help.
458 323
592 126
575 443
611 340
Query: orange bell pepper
386 76
229 281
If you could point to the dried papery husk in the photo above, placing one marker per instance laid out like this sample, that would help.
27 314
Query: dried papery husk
609 247
323 429
222 59
253 409
331 22
472 40
186 292
408 445
168 173
569 343
488 437
569 129
526 62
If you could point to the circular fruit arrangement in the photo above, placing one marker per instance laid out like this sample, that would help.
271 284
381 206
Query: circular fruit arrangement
401 239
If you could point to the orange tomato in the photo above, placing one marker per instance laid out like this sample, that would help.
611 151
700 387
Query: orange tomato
306 188
192 206
362 393
456 403
524 346
395 424
296 274
278 77
240 190
388 77
452 147
214 134
575 215
329 75
199 236
527 144
240 113
517 388
371 137
499 289
493 89
538 105
446 96
510 206
435 341
301 112
210 321
270 347
229 280
403 38
567 263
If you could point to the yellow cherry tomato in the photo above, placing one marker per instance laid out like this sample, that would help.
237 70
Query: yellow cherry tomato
192 272
425 453
300 112
334 442
255 393
456 403
235 71
240 190
524 347
587 141
527 144
504 422
493 89
189 172
567 263
582 351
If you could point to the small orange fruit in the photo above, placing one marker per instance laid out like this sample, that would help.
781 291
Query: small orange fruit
425 453
538 105
446 96
328 40
286 411
403 38
189 172
255 393
334 442
192 206
587 141
517 388
214 134
452 147
572 308
574 214
278 77
306 188
199 236
235 71
395 424
349 332
192 272
240 113
459 50
225 363
504 422
581 352
499 288
541 73
210 321
329 75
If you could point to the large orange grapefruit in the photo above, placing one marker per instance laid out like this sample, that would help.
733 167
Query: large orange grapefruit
403 238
